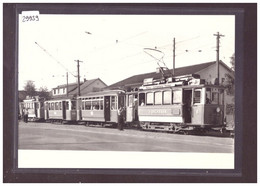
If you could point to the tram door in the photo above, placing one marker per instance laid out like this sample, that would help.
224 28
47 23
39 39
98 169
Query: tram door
187 101
131 108
107 108
64 109
36 106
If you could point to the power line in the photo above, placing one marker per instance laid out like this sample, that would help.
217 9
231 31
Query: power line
54 58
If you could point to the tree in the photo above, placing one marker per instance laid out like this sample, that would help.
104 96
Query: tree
229 79
30 89
232 61
44 93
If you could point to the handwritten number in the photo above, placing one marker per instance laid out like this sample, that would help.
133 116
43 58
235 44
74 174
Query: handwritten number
30 18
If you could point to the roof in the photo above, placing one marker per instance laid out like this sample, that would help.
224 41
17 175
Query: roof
137 80
70 85
73 88
85 85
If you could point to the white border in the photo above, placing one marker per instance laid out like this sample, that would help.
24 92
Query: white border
119 159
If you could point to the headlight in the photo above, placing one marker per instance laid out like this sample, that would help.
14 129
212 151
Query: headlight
218 109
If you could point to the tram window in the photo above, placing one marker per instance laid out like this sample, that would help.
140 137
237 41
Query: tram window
88 105
215 97
176 96
37 105
52 106
113 102
208 96
142 99
95 105
158 98
101 103
149 98
130 100
121 101
221 97
73 105
56 106
67 105
83 105
197 95
167 97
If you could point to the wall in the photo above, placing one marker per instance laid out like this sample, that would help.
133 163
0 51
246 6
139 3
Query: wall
209 74
95 86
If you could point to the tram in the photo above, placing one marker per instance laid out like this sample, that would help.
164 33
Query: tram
60 110
35 108
179 104
183 104
100 107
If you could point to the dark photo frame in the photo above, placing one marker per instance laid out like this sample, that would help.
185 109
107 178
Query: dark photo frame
245 108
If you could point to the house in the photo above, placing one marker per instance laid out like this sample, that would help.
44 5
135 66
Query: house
71 90
206 71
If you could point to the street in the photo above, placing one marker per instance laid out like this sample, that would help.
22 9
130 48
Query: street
47 136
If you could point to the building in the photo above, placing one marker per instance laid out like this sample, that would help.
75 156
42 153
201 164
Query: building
206 71
71 90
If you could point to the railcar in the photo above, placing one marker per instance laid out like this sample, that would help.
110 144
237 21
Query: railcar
100 107
60 110
35 108
182 105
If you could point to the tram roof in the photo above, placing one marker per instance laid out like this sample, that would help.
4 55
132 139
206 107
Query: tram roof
103 93
167 86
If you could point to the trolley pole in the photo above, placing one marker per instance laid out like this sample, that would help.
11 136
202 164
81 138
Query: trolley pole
78 76
217 50
173 60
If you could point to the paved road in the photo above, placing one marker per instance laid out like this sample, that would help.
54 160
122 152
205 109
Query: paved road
46 136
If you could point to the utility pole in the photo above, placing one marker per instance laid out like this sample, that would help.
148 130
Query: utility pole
67 77
217 60
78 76
173 60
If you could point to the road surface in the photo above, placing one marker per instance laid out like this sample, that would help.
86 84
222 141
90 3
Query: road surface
47 136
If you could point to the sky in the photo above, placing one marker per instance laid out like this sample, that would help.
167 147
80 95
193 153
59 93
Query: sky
114 47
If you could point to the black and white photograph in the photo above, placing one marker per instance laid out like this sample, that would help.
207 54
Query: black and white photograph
127 90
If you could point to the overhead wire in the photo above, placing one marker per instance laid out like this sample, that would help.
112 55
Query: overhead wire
54 58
